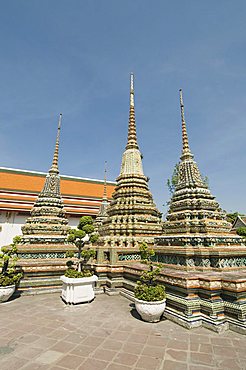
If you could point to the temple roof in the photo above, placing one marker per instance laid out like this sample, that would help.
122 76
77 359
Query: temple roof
19 190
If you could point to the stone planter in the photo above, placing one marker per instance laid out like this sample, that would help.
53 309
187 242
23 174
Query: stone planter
6 292
78 290
150 311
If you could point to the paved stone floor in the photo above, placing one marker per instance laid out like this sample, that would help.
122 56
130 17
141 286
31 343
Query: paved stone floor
41 332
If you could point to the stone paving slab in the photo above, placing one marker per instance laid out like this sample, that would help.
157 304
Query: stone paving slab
41 332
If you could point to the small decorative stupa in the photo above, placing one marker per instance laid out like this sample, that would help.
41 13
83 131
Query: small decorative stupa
102 213
47 222
192 208
196 233
132 214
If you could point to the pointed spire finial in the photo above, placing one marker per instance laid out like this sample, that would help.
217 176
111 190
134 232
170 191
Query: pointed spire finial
186 153
132 89
105 181
132 135
54 167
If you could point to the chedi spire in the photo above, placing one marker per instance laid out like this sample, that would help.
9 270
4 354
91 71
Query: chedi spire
193 209
131 159
186 153
132 215
47 222
54 167
132 135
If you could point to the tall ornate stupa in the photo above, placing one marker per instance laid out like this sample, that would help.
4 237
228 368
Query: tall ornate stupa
196 233
47 222
42 251
132 214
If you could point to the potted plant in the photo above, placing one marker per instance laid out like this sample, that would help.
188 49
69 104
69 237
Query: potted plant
9 276
150 297
79 280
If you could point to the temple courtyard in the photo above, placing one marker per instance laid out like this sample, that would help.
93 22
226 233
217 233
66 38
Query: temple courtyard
41 332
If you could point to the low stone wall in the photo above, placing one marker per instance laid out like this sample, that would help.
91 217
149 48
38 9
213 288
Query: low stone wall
214 300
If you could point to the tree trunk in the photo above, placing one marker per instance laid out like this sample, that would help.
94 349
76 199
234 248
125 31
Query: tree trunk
5 267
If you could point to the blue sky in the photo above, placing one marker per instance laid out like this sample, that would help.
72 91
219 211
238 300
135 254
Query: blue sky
74 57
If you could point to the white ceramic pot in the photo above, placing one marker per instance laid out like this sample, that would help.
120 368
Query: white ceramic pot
78 290
6 292
150 311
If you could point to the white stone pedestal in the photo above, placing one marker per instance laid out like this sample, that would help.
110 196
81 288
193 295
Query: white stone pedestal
78 290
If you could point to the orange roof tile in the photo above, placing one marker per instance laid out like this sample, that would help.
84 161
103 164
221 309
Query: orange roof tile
19 190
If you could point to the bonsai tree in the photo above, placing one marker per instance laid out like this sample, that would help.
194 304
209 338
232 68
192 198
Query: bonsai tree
147 288
8 257
81 236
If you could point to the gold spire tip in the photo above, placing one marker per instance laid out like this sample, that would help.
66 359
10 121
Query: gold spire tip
181 98
132 89
59 122
132 82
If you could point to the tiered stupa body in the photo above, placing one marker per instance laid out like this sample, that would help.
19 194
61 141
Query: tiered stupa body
48 222
195 220
42 252
193 210
132 214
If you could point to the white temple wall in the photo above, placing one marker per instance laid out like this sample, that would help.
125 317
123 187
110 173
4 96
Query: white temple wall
73 221
10 226
11 223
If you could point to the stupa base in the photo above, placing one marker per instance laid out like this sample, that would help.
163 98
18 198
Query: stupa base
42 265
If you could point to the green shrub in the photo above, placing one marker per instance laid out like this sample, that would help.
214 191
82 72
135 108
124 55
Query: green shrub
71 273
69 264
10 279
80 237
147 288
85 220
8 257
241 231
150 293
69 254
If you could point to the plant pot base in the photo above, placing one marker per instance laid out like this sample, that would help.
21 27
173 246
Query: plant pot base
150 311
6 292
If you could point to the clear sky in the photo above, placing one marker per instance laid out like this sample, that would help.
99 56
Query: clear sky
75 56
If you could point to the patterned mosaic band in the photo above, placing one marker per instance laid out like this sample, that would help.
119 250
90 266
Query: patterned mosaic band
48 255
206 241
129 257
195 261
